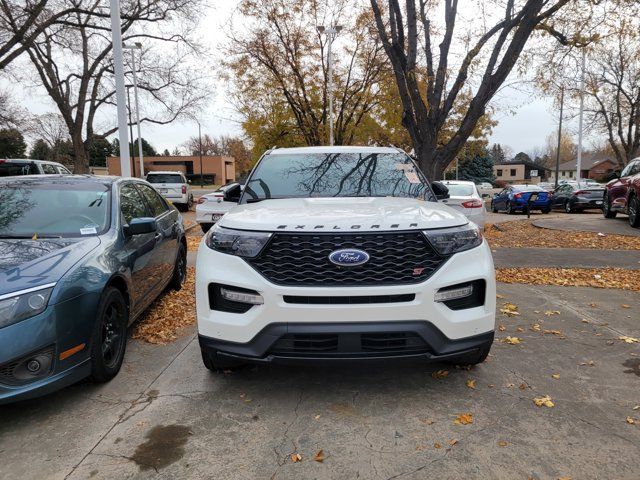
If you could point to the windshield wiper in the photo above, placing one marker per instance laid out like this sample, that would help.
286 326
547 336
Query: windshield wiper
30 237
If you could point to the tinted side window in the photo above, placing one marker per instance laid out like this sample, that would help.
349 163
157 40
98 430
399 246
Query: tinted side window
155 201
63 170
48 169
131 203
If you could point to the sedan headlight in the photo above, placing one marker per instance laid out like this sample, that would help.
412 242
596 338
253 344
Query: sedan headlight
236 242
453 240
22 305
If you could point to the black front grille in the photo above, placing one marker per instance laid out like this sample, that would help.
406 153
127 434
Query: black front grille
349 344
303 259
351 300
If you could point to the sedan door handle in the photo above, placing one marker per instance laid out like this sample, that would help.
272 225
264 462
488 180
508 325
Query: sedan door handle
158 237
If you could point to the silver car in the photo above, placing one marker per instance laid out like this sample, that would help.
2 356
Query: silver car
174 187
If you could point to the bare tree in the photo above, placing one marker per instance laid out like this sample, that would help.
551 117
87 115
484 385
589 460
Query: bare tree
278 64
429 91
72 59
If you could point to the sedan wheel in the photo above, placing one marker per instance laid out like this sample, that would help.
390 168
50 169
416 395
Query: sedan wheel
634 215
606 208
109 339
510 209
567 207
179 269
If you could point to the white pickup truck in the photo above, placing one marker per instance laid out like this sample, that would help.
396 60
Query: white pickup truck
338 254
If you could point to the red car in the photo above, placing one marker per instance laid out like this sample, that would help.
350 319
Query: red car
622 195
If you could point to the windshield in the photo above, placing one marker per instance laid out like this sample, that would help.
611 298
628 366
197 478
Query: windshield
53 209
336 175
164 178
527 188
460 189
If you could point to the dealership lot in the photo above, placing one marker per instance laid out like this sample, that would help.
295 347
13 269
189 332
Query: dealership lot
165 416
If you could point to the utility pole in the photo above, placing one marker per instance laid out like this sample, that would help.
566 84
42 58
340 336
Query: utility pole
580 120
559 135
133 160
118 68
200 152
132 49
331 32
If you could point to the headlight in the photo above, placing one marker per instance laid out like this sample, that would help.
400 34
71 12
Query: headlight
453 240
236 242
22 305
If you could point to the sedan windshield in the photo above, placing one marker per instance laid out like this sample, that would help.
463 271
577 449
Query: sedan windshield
43 209
460 189
336 175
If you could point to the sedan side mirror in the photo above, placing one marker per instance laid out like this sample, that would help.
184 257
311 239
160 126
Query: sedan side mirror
440 190
138 226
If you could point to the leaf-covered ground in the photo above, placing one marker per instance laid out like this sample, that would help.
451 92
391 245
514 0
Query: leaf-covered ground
522 234
168 314
617 278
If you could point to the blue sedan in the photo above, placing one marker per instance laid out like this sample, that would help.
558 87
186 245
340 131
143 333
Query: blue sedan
515 198
81 257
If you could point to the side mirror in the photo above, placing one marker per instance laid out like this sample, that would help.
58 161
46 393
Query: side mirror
440 190
233 194
138 226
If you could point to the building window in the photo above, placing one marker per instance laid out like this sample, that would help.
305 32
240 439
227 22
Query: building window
499 172
513 172
571 174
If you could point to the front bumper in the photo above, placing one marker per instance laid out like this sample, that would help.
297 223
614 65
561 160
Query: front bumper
215 267
347 342
205 213
584 203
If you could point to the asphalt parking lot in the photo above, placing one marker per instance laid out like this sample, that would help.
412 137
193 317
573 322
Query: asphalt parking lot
165 416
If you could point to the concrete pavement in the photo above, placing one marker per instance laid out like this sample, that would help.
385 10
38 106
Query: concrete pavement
165 416
566 258
589 223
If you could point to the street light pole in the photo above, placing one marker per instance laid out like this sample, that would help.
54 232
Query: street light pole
331 32
118 69
580 120
136 46
200 151
559 136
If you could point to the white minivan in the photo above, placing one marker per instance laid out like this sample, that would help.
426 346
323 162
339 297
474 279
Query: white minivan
12 167
174 187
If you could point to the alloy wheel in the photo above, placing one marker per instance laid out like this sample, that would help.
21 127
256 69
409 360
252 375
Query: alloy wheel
112 335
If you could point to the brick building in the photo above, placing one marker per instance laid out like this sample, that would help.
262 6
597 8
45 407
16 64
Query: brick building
215 168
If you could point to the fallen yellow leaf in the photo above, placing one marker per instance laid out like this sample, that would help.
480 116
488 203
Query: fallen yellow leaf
502 328
296 457
437 445
549 313
626 339
546 401
440 374
555 375
502 443
464 419
625 306
535 327
453 442
509 309
319 456
631 420
512 340
471 383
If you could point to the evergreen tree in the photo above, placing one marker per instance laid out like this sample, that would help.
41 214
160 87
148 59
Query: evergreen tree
41 150
497 154
12 144
478 168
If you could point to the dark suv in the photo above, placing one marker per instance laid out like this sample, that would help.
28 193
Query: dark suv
622 195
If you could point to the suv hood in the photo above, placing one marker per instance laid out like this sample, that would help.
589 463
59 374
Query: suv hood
342 214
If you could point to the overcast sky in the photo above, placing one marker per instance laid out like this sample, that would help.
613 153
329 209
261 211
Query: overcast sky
525 120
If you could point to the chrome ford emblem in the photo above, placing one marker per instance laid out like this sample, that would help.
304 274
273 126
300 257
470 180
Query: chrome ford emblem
348 257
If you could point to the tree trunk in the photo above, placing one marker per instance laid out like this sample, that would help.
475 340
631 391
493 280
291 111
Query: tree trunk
430 164
80 160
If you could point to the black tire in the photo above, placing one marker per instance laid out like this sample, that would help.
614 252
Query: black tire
475 358
179 269
567 207
206 227
215 364
493 208
109 337
634 211
510 209
606 207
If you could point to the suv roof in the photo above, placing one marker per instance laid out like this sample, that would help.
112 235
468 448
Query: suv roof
29 160
164 172
334 149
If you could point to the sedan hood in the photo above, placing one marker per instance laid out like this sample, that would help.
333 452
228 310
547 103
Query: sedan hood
342 214
30 263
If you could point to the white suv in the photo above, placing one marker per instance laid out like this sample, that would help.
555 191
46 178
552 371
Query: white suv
343 253
174 187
